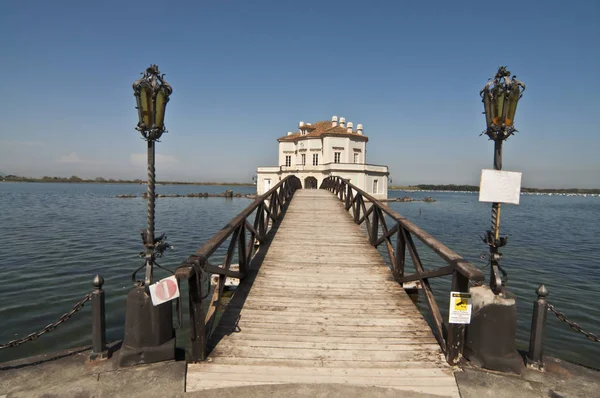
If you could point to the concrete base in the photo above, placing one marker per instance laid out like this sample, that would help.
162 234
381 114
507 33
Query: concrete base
490 337
149 335
130 356
70 375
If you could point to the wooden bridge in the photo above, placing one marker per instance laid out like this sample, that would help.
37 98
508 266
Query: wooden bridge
317 303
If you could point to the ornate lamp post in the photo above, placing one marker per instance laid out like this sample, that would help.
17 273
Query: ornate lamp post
490 340
500 98
152 95
149 335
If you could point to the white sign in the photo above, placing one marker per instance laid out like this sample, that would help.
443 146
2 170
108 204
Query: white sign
164 290
460 308
500 186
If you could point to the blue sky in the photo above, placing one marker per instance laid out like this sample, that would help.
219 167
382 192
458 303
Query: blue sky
244 73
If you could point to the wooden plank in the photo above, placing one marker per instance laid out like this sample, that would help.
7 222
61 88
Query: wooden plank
325 363
324 354
329 311
242 342
342 333
322 371
277 376
326 321
390 339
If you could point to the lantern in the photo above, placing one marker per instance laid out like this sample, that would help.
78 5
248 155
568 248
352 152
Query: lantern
152 94
500 97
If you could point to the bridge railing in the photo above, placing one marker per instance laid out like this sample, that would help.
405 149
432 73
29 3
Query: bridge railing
197 269
451 339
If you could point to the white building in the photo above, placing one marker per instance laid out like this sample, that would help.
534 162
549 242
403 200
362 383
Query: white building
323 149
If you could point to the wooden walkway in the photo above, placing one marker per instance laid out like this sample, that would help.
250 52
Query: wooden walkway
323 307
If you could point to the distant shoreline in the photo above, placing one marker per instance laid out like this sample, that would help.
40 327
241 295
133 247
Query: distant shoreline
409 188
100 180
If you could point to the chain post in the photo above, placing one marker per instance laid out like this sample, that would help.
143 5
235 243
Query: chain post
99 350
535 356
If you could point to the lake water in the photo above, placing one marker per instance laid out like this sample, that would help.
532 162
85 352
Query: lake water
56 237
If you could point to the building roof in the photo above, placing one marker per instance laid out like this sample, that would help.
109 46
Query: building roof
322 129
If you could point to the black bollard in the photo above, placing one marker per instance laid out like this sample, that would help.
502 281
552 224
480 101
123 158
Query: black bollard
535 356
99 350
490 340
149 334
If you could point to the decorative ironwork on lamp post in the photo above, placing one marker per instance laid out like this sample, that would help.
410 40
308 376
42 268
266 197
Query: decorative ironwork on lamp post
500 97
152 95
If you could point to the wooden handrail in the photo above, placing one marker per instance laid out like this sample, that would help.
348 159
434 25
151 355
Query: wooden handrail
451 339
266 209
185 270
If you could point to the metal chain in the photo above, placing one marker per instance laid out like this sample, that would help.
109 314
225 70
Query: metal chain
50 327
573 325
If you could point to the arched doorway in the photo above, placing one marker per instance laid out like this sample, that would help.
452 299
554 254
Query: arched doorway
310 183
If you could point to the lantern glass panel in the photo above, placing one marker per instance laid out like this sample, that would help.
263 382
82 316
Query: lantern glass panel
138 102
513 99
146 105
161 105
498 105
487 108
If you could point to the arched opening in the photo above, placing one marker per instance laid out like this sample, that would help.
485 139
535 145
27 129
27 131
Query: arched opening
310 183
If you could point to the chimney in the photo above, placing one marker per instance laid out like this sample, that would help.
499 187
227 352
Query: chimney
300 125
334 121
290 133
359 129
342 122
350 125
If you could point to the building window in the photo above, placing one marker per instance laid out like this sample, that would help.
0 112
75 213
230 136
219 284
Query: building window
303 159
315 159
356 157
288 160
375 183
336 157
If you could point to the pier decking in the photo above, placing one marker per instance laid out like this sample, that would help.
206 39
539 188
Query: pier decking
323 307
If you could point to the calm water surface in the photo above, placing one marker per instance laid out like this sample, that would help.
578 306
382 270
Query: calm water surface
56 237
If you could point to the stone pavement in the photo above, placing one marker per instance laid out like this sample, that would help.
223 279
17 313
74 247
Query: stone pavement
70 375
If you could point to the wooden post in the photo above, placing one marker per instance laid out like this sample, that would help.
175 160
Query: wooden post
197 316
400 253
456 332
348 196
357 207
242 254
374 225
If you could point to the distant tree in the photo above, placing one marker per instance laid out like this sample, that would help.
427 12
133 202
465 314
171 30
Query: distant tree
100 179
75 179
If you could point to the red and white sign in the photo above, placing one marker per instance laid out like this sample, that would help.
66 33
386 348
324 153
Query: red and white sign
164 290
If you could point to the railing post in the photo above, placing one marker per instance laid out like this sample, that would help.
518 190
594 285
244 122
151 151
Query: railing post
456 332
197 320
374 225
348 196
535 356
400 254
357 207
99 350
